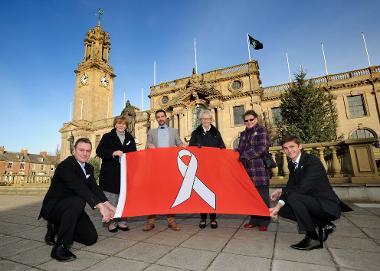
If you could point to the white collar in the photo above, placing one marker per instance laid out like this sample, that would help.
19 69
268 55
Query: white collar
205 129
297 159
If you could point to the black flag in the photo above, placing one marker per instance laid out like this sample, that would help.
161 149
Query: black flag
255 43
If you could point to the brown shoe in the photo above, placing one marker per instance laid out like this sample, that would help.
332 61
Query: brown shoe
174 226
148 227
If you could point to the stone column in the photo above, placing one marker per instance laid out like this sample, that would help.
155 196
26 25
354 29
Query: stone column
274 170
285 164
335 165
321 157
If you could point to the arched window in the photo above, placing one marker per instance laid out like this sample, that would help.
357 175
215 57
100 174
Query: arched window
362 133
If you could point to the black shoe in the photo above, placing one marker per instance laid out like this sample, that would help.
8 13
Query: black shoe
325 230
213 224
308 244
202 224
50 234
62 254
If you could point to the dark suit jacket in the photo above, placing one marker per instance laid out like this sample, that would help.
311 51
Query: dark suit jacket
109 179
69 180
310 178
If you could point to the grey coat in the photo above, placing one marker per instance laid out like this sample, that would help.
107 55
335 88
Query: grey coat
174 139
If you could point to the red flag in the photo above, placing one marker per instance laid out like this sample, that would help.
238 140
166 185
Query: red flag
186 180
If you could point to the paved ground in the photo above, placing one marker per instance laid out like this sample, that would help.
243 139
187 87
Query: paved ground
354 246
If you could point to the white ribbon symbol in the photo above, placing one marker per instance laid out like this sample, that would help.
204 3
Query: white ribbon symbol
190 181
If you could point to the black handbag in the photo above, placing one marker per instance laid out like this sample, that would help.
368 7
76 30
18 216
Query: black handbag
268 161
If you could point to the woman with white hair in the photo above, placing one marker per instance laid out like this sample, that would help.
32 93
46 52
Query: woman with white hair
206 135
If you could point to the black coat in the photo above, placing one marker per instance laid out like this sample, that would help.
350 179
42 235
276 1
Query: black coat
69 180
212 138
310 178
109 179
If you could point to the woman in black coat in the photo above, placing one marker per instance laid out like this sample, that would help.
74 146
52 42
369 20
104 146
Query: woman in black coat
111 147
208 136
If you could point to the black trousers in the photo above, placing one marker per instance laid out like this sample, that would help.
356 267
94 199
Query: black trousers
73 223
204 216
306 211
262 220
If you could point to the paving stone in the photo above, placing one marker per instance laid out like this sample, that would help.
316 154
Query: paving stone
188 258
11 228
367 221
209 243
362 260
373 233
219 232
136 234
145 252
18 247
12 266
169 238
364 244
280 265
109 246
260 245
227 261
118 264
36 234
84 260
6 239
283 251
34 256
156 267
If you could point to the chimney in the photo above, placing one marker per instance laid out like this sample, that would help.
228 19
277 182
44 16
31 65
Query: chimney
2 150
24 152
43 154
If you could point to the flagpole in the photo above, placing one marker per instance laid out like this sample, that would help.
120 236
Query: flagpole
249 50
154 73
324 58
142 99
123 102
366 50
287 61
195 55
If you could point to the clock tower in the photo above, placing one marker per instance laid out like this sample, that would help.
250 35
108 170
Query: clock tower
93 94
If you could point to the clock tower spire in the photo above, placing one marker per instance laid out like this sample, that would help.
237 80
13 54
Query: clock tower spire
93 97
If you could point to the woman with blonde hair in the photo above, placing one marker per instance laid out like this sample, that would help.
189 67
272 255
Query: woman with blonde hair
111 147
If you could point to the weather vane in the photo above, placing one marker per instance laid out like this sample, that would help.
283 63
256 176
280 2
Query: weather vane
100 14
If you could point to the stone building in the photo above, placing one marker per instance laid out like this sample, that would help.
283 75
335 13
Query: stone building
228 92
24 165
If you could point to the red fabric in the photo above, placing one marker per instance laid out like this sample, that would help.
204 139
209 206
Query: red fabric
154 180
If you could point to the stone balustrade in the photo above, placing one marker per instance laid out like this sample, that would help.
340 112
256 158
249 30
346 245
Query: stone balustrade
328 78
347 161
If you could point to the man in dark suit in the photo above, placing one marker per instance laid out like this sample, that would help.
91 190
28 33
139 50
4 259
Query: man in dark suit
72 185
308 197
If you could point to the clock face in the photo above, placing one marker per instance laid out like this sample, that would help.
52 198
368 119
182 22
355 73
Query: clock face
84 79
104 81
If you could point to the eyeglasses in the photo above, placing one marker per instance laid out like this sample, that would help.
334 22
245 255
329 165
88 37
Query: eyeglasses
249 120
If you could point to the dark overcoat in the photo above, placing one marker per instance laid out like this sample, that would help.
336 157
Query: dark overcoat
109 179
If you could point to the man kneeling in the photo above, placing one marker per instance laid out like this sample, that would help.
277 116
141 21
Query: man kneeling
308 197
72 185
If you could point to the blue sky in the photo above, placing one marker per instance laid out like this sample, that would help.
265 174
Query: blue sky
42 44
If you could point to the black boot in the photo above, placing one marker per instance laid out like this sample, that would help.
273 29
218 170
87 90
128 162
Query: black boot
61 253
325 230
50 234
310 242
